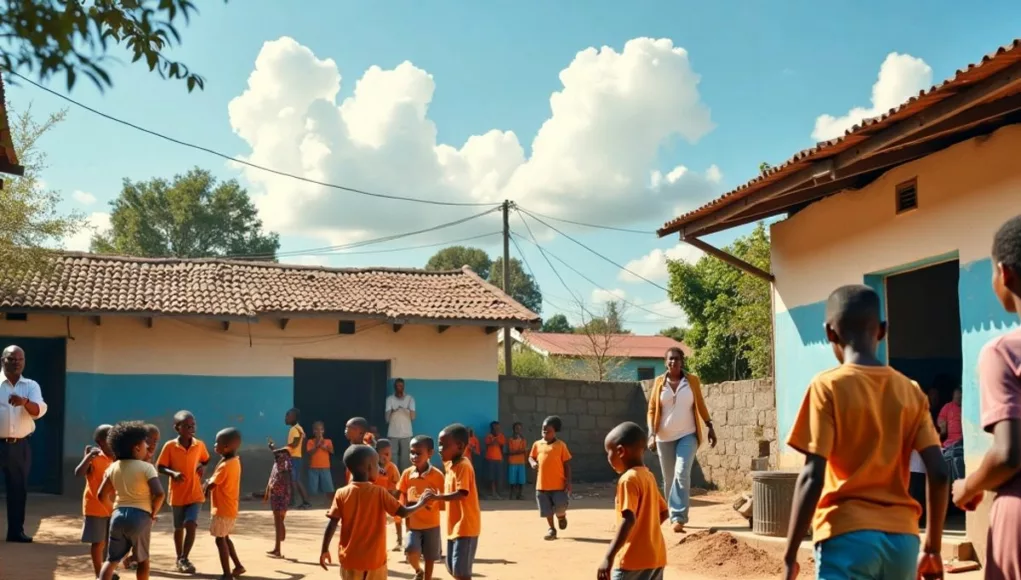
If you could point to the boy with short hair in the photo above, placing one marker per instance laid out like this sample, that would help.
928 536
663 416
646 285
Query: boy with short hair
495 442
139 496
865 522
96 510
424 541
638 550
464 516
295 443
152 441
387 478
356 430
224 490
517 449
320 449
184 460
360 509
999 377
551 458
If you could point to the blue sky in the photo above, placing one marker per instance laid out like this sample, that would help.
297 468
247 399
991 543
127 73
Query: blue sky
748 86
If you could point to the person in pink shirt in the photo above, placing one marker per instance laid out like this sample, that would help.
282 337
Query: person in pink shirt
949 423
999 373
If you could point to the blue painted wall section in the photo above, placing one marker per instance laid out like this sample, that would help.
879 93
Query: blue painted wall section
442 402
802 352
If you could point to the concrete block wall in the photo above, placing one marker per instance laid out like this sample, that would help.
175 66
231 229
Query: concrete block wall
744 415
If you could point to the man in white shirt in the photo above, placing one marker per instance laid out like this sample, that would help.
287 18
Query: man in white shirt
400 412
21 403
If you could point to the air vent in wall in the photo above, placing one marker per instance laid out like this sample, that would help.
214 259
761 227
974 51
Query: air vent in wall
20 316
907 196
346 327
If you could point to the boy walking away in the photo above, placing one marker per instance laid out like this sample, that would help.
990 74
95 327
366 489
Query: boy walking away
865 522
96 510
387 478
320 450
464 516
999 372
360 509
638 550
152 442
517 448
295 443
139 496
551 458
356 431
423 544
224 490
278 492
495 442
184 460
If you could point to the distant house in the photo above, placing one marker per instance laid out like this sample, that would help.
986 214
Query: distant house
636 357
239 343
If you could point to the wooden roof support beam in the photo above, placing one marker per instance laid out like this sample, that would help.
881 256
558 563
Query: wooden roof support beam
442 328
226 325
148 322
980 92
96 320
398 327
283 323
729 259
492 329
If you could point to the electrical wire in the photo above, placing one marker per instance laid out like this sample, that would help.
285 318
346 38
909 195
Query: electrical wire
243 161
587 225
542 252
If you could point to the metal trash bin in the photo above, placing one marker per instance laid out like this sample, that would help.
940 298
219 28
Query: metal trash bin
772 496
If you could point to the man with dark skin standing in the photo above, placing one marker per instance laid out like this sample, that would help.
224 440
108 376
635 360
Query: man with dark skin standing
21 404
400 412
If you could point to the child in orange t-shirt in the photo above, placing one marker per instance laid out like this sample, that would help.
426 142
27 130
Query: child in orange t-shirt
184 460
517 449
638 549
424 541
360 509
97 510
320 449
356 431
224 491
387 478
464 516
552 460
495 442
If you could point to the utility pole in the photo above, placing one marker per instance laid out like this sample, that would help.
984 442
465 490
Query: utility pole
508 368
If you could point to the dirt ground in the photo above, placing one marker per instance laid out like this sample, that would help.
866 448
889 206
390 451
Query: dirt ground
511 546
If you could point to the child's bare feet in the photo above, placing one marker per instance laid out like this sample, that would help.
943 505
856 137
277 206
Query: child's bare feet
238 571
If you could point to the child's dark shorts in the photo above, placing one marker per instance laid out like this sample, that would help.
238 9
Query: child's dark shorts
650 574
95 530
129 528
186 513
428 542
461 556
494 469
552 502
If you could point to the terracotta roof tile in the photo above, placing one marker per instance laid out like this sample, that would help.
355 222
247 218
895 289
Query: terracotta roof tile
92 284
990 64
620 345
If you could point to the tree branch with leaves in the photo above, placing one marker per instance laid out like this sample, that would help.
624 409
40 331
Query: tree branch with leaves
603 334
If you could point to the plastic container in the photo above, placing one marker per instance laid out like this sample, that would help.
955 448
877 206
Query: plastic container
772 496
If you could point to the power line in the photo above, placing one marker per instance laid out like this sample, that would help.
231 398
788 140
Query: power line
243 161
624 268
542 252
587 225
422 246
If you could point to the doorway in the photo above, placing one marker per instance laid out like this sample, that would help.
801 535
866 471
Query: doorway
333 391
46 364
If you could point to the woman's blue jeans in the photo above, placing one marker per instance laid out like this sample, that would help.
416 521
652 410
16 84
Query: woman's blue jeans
675 460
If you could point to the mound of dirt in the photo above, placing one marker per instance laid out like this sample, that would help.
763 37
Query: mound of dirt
720 554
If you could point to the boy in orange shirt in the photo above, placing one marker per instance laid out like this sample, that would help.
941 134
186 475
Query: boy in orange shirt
360 509
855 493
184 460
638 551
495 442
551 458
517 449
96 510
464 516
320 449
356 430
152 441
387 478
424 541
224 489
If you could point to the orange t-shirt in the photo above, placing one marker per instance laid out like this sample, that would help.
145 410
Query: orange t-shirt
519 445
412 485
186 461
388 477
494 447
91 504
879 417
551 458
464 517
320 458
224 497
638 493
473 447
362 508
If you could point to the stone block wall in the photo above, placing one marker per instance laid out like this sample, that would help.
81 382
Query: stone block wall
744 415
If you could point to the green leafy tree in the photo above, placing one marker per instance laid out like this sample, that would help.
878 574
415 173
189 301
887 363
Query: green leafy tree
454 257
191 216
728 310
557 323
675 332
530 364
523 286
30 223
609 322
74 37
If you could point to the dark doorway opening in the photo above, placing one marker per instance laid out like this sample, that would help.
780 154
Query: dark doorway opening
45 363
333 391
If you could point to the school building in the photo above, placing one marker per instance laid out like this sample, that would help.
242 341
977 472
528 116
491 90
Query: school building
239 343
906 203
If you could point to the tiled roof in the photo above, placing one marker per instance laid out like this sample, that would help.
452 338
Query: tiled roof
990 64
8 156
91 284
618 345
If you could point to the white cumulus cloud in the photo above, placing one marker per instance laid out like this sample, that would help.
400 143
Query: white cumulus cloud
96 222
652 266
591 160
901 76
83 197
638 311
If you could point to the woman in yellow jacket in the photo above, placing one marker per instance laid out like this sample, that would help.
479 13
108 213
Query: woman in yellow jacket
676 413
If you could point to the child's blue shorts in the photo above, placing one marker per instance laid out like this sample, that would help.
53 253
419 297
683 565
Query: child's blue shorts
516 474
867 554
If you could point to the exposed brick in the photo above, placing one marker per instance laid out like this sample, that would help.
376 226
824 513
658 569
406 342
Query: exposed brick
596 408
587 422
